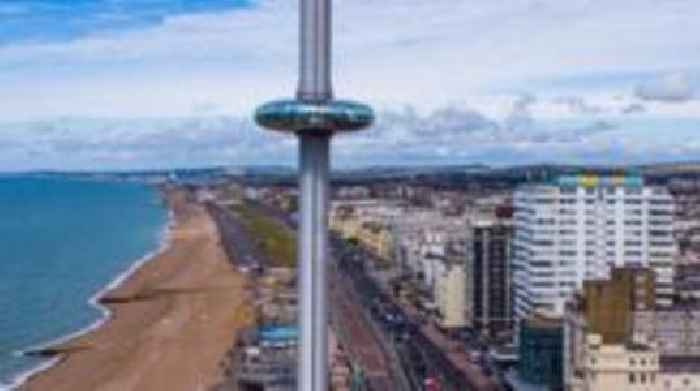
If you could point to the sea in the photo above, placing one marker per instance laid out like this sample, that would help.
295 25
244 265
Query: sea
63 242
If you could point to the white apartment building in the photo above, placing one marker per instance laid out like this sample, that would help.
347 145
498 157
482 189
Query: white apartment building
579 226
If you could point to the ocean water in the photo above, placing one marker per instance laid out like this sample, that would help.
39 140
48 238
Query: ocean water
61 242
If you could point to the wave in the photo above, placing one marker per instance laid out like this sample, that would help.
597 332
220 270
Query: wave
94 301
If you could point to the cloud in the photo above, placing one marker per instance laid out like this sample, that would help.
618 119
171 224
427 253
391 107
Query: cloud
239 56
672 87
402 134
137 143
178 87
634 108
463 133
579 105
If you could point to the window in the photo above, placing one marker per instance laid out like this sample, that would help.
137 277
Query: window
633 362
544 201
643 378
632 378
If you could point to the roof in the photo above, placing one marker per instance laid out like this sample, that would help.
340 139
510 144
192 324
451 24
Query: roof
278 333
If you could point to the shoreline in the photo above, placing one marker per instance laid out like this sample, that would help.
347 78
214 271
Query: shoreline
118 348
106 314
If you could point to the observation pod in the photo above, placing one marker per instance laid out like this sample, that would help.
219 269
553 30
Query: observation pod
310 117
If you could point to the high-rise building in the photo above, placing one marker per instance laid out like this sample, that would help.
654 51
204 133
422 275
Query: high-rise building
488 286
578 227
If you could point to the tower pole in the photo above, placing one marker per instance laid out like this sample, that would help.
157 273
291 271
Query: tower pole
315 87
314 116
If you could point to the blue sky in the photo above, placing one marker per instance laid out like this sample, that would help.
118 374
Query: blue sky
154 83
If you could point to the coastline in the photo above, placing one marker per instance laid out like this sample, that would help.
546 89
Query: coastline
119 321
20 380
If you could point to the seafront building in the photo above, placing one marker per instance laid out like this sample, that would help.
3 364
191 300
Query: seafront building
620 366
488 272
420 238
579 226
633 365
367 221
540 353
602 314
617 338
450 297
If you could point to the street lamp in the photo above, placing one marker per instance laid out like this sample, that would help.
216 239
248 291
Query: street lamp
314 116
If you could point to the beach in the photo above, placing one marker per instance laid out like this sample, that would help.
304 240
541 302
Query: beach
171 322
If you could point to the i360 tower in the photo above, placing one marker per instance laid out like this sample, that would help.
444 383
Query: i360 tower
314 116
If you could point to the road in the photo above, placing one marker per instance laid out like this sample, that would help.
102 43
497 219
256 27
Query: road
238 245
431 354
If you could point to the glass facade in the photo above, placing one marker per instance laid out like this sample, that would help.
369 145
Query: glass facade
541 353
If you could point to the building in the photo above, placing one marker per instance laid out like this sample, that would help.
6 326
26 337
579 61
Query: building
367 221
450 297
420 232
633 366
602 314
540 351
679 374
616 339
624 366
488 286
267 359
675 329
686 280
609 305
579 226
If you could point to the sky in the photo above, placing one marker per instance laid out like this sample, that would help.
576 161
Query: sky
130 84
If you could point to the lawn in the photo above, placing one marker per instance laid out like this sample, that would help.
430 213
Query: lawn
276 241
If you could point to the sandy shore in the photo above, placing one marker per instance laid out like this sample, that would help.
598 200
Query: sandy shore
172 321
